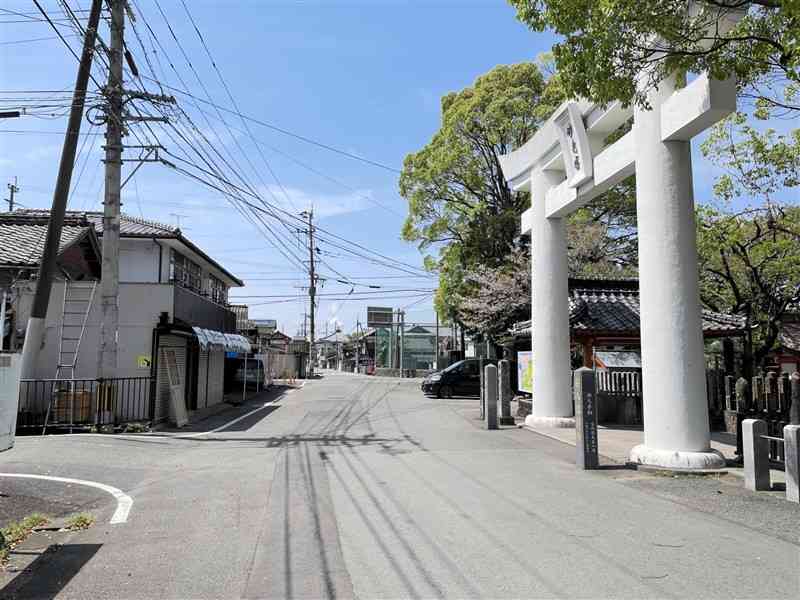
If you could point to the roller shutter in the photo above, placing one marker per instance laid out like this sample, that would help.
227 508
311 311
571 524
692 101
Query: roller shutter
216 377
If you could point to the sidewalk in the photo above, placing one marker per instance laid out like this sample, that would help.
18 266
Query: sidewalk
615 443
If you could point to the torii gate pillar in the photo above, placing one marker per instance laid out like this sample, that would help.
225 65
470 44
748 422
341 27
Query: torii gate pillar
676 429
552 400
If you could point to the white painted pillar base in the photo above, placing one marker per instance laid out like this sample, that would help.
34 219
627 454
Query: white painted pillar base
680 461
676 431
554 422
552 398
34 338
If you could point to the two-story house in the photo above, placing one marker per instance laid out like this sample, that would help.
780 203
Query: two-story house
174 322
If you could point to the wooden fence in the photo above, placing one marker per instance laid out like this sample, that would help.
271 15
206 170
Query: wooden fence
619 397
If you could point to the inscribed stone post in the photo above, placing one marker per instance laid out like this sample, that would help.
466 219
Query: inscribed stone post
505 393
585 419
490 396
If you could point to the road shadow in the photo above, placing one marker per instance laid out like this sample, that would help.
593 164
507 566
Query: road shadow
52 570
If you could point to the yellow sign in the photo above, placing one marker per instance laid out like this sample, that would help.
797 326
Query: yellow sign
143 361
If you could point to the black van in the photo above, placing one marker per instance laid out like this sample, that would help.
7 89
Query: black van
462 378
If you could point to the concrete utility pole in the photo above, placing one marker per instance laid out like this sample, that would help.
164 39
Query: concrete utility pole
436 344
34 335
402 315
109 284
312 285
12 189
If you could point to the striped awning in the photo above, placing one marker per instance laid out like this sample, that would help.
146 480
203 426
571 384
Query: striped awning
231 342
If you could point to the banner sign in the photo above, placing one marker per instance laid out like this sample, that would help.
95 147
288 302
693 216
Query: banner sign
525 372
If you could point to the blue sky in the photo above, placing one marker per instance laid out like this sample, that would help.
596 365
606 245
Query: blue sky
364 76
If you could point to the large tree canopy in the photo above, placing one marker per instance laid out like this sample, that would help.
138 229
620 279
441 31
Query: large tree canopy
459 201
463 214
608 43
749 242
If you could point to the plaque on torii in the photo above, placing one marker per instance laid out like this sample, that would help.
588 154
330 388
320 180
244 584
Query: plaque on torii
564 166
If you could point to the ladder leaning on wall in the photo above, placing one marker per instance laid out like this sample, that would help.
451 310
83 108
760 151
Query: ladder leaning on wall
75 308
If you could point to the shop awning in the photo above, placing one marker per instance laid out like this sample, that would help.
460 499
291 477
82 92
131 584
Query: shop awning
226 341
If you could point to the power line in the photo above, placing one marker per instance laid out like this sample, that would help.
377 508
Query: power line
287 132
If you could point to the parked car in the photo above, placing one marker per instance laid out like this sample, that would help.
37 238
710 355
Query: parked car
462 378
255 372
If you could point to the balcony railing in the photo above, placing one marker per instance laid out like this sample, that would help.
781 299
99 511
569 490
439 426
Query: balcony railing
200 311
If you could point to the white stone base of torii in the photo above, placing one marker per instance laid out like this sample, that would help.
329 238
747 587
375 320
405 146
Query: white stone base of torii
564 165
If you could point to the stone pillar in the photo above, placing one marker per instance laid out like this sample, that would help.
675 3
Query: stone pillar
504 389
552 404
584 390
676 431
756 455
490 396
791 443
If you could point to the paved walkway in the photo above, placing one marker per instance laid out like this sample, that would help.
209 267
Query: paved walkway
615 443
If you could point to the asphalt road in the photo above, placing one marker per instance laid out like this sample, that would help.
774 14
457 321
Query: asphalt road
361 487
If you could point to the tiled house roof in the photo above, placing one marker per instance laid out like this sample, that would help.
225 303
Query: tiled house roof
790 336
23 238
611 307
129 226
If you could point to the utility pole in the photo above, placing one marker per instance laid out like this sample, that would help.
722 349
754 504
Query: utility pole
402 315
436 344
34 335
12 189
358 345
109 284
312 284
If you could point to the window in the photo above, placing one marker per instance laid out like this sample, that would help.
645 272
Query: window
218 290
184 272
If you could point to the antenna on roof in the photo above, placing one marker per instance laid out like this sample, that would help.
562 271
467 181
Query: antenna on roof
178 218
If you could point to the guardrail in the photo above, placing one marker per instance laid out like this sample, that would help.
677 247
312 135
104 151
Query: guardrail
74 403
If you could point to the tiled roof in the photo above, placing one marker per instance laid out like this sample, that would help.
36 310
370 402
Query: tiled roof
790 336
23 240
612 308
128 226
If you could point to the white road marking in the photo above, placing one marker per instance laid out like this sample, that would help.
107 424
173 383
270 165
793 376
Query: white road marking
124 502
237 419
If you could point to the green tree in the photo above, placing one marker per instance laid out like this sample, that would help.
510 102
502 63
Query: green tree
460 205
459 202
608 43
750 265
750 257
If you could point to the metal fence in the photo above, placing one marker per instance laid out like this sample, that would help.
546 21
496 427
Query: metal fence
83 402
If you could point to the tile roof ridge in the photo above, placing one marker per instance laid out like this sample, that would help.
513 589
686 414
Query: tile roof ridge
150 223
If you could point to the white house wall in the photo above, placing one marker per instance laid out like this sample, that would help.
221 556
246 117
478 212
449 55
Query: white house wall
139 310
139 258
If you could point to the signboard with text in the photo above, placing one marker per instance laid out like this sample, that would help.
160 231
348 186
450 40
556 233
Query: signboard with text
525 371
379 316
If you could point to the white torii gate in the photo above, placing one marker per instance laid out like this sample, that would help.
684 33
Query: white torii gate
564 165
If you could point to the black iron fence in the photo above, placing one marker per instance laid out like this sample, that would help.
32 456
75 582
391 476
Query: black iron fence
83 402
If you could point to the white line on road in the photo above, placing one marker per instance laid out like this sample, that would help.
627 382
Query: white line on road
124 502
237 419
